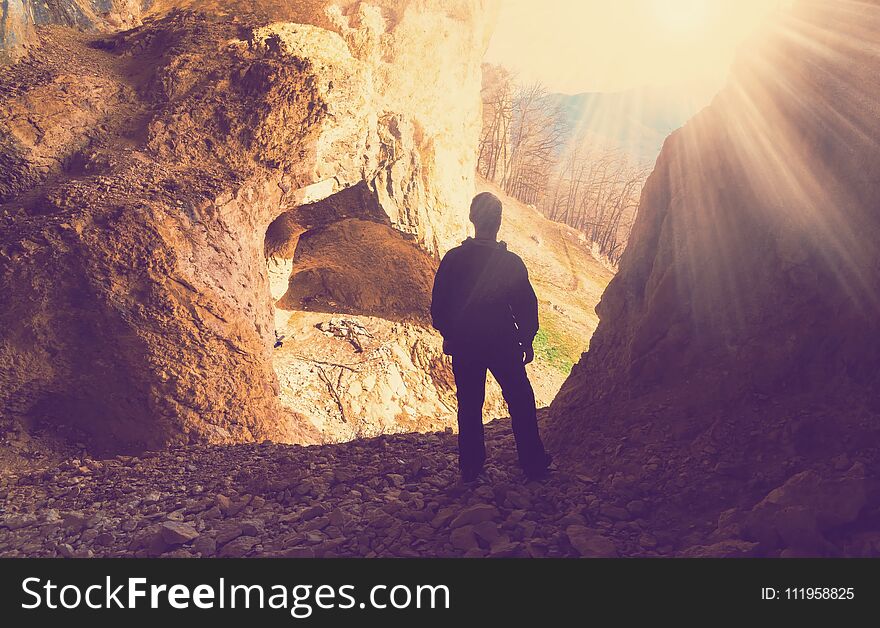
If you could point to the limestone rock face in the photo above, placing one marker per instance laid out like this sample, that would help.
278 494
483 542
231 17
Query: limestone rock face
140 176
422 115
753 268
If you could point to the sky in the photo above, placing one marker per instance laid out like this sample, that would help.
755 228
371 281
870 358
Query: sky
575 46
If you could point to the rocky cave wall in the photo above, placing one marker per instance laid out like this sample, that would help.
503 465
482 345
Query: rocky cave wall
754 266
140 176
423 115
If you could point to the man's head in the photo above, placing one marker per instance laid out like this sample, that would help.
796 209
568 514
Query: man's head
486 215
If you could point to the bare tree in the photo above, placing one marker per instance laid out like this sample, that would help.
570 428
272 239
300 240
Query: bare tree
497 94
536 138
596 191
527 150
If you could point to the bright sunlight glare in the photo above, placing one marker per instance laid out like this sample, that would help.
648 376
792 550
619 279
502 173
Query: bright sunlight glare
682 16
574 46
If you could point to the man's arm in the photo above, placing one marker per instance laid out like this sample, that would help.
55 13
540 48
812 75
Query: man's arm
440 298
524 305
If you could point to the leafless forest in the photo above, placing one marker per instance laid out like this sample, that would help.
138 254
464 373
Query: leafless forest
530 150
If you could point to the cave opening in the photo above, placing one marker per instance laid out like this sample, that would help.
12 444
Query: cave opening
345 257
355 352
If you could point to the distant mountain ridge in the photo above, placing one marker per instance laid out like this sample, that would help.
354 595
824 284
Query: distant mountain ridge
636 121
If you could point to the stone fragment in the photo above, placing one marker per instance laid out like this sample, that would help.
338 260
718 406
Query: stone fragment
475 514
177 533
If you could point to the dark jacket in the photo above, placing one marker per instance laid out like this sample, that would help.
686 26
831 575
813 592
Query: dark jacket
482 299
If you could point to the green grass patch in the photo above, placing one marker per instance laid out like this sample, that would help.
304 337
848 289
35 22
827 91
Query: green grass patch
551 348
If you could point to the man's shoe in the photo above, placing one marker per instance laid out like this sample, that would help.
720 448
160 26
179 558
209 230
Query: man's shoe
537 475
471 477
539 472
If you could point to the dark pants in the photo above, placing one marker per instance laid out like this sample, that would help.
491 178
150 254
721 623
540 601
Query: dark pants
470 381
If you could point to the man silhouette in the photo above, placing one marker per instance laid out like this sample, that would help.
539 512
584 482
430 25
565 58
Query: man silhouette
487 312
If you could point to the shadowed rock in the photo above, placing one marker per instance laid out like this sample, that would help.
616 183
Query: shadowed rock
140 176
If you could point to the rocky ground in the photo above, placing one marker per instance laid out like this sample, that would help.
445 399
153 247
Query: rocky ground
392 496
399 496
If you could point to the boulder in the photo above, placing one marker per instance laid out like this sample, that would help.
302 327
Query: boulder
832 502
464 539
239 547
798 513
178 533
589 543
475 514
